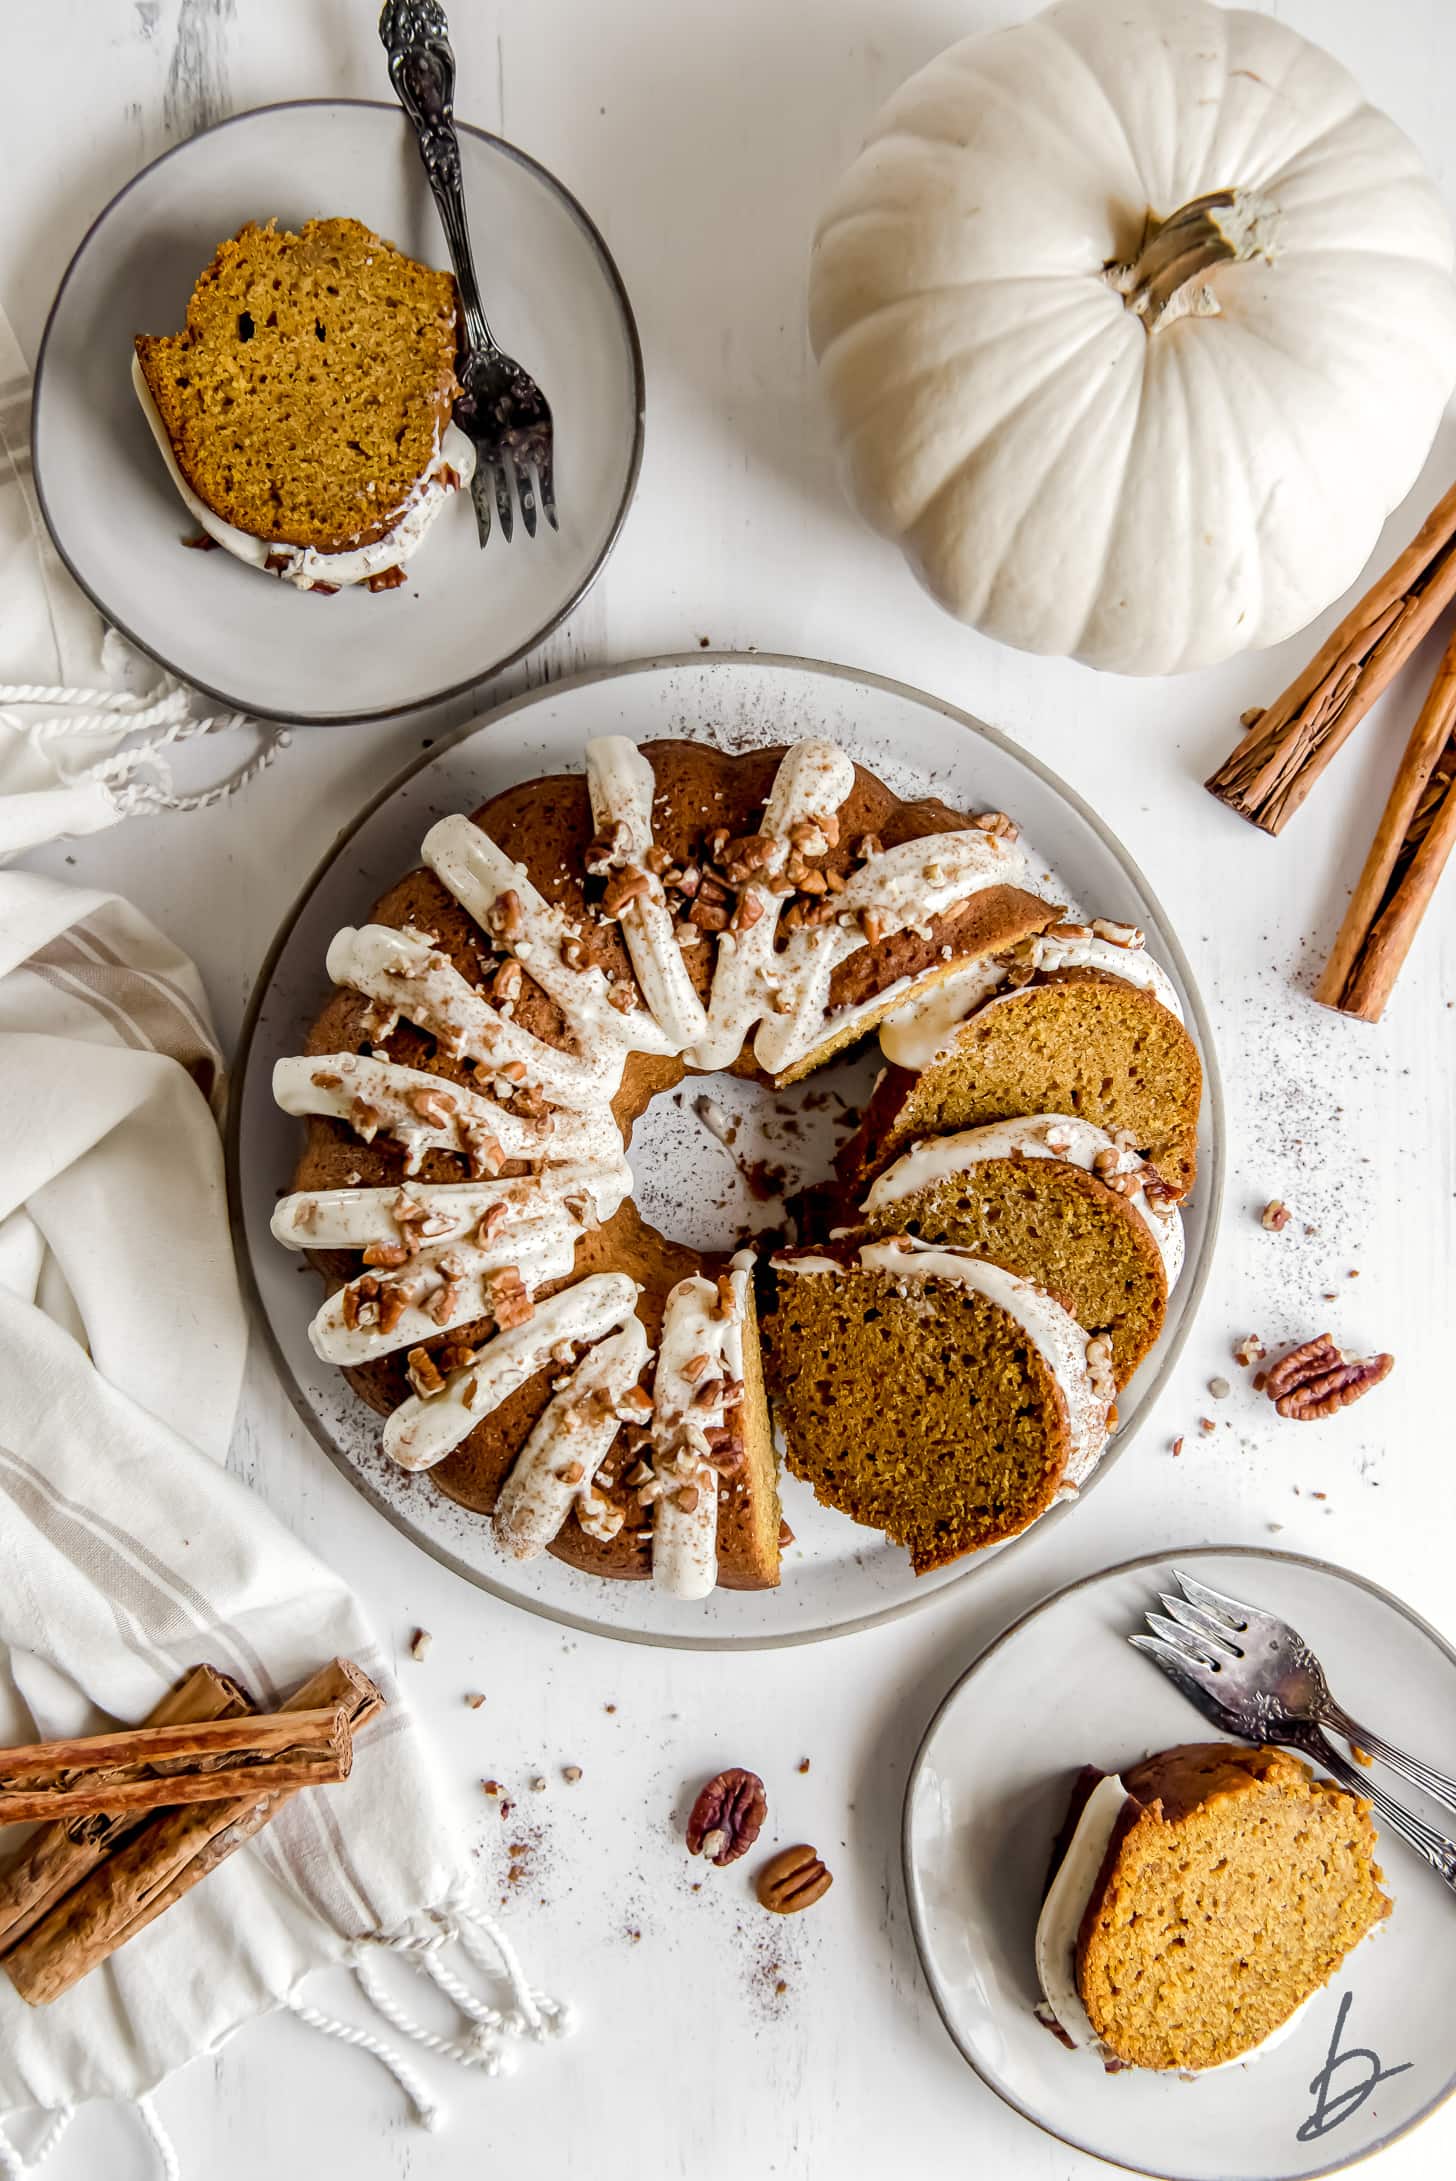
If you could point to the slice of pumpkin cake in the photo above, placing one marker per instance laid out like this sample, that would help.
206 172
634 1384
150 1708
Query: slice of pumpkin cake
1070 1041
1199 1901
304 409
930 1394
1057 1200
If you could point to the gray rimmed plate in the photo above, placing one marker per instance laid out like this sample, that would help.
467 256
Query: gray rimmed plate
556 300
1371 2056
837 1576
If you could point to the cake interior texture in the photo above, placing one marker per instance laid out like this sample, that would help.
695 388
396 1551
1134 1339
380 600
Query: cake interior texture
1075 1041
918 1408
306 396
1237 1889
1057 1225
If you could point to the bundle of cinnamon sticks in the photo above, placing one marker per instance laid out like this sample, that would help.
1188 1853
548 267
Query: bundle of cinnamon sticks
131 1821
1288 746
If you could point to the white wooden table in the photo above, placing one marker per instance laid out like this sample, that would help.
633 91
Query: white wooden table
701 138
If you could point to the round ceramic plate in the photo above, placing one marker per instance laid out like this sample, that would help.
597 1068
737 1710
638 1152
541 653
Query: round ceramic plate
556 302
1371 2055
691 1183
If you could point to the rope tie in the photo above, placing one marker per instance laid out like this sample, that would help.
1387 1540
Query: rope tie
481 2049
15 2168
135 778
426 2111
162 2144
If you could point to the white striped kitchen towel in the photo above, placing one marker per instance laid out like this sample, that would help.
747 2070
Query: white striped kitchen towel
127 1553
86 726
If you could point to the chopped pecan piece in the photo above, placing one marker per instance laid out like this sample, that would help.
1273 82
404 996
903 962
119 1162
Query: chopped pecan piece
629 884
747 913
728 1816
393 1303
494 1219
1275 1216
509 1301
997 822
436 1106
424 1373
387 579
507 981
793 1879
872 924
1315 1380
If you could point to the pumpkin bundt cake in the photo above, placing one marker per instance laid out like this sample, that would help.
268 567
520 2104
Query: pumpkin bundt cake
1077 1039
304 410
508 1012
1056 1200
930 1394
1198 1901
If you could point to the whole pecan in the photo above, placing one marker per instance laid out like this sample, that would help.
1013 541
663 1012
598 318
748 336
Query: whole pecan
727 1816
1315 1380
793 1879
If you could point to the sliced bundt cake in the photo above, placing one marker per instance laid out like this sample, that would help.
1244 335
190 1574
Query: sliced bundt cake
1072 1041
1056 1200
306 398
930 1394
1199 1900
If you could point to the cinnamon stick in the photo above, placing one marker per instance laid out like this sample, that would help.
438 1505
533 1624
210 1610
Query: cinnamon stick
1412 842
1287 747
148 1768
59 1855
170 1855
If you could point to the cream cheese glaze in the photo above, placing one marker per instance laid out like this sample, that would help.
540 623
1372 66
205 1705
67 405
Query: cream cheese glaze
699 1368
925 1028
302 565
1061 1136
1055 1334
1060 1924
556 1468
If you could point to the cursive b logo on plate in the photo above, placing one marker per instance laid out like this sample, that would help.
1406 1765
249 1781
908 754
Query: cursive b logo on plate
1335 2102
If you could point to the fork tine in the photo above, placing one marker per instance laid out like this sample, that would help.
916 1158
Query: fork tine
504 511
1175 1662
480 501
545 485
1203 1625
527 498
1196 1651
1235 1615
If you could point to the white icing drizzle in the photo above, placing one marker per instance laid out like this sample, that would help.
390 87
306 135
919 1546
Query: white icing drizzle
424 1429
405 972
621 785
904 888
1060 1923
1052 1330
442 1211
302 565
1060 1136
445 1286
925 1028
426 1113
813 779
695 1332
556 1468
470 866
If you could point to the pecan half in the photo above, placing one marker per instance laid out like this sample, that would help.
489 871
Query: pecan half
1315 1380
793 1879
728 1816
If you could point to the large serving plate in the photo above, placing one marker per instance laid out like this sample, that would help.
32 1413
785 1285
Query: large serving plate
837 1576
1371 2055
556 301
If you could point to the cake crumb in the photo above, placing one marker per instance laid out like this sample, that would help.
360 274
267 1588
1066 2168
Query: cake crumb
571 1773
474 1699
1219 1388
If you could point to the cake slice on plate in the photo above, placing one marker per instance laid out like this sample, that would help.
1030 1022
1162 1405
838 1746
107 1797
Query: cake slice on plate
1197 1903
304 410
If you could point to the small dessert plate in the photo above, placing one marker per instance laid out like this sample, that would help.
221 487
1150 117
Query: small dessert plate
1371 2055
249 640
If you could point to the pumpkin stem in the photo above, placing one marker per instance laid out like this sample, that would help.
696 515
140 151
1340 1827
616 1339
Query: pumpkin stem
1167 277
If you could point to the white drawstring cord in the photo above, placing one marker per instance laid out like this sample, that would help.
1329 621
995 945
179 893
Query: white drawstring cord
15 2168
427 2112
162 2143
482 2049
162 716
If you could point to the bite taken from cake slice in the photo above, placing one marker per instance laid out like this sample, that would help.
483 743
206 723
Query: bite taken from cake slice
1198 1901
931 1394
304 411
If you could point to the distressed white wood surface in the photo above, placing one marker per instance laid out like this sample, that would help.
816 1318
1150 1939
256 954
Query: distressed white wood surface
701 137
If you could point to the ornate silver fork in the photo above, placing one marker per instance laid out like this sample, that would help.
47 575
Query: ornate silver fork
1256 1677
501 408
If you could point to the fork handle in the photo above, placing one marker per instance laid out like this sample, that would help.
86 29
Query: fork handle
1439 1852
1436 1784
416 36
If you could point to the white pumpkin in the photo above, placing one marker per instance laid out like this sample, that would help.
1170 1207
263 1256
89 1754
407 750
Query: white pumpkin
1135 322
